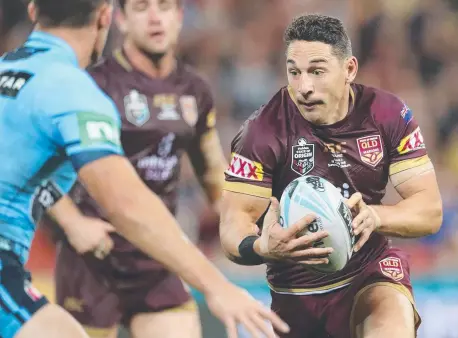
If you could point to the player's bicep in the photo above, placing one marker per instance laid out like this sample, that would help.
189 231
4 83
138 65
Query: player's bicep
403 171
87 136
415 179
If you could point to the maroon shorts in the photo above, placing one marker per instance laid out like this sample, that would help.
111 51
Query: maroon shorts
329 315
101 294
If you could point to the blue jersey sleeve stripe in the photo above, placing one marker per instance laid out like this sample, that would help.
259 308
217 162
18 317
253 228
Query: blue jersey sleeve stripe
78 148
81 159
72 144
63 114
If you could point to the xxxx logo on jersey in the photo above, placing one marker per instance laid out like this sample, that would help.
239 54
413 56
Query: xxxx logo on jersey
411 142
244 168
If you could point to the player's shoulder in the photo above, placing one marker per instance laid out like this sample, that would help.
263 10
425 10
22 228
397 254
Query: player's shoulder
70 88
268 119
385 107
198 82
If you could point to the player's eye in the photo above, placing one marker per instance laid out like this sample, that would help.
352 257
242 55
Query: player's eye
317 72
140 6
293 72
165 4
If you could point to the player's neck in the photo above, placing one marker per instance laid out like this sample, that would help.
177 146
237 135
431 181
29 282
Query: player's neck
77 38
341 111
160 68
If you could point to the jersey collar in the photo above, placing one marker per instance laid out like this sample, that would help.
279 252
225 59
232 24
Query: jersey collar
46 39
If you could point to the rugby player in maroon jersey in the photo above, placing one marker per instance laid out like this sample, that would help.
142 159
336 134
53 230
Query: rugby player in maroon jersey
166 110
357 137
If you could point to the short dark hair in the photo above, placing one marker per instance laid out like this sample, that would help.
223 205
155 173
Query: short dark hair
68 13
321 28
122 3
13 13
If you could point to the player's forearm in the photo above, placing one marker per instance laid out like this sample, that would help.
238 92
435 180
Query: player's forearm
417 216
148 224
66 214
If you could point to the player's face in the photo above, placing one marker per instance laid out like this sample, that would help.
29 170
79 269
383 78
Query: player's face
153 25
319 78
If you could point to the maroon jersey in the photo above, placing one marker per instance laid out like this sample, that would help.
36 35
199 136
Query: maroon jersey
161 119
276 145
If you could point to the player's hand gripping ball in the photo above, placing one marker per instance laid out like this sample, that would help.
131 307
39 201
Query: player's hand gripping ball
315 195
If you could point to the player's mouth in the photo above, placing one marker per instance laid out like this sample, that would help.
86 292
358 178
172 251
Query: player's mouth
157 35
310 105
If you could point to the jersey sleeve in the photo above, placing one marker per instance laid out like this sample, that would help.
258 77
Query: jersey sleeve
201 147
254 157
84 122
406 145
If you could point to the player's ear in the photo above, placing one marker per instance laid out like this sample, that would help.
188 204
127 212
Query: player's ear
105 15
120 20
32 11
351 68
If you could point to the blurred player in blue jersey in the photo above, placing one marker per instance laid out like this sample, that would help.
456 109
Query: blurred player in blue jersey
55 122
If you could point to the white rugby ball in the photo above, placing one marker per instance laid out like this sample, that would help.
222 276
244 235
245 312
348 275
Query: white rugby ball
313 194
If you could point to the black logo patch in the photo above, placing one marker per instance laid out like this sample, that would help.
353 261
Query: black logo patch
316 183
303 157
345 214
45 197
12 82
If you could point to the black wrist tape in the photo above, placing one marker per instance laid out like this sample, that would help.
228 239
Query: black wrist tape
247 254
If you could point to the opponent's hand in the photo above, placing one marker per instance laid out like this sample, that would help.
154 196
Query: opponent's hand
91 234
287 244
233 306
365 219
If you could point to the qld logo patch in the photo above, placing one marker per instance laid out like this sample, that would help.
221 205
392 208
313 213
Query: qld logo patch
392 268
303 157
370 149
413 141
242 167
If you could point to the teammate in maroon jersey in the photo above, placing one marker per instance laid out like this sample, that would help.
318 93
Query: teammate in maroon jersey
356 137
166 109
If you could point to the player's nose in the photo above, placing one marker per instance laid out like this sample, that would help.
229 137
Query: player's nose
306 88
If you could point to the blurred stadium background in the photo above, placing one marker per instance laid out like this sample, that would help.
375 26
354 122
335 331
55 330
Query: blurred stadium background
409 47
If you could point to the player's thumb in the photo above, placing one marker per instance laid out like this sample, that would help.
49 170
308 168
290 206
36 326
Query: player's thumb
109 227
354 200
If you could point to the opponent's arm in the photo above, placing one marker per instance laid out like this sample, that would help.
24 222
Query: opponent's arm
84 233
420 211
143 219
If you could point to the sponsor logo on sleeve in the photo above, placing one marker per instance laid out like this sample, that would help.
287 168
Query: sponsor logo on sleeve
242 167
406 114
303 157
413 141
392 268
189 109
12 82
97 128
370 149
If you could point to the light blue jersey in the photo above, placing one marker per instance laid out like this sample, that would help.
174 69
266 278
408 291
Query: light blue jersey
53 120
